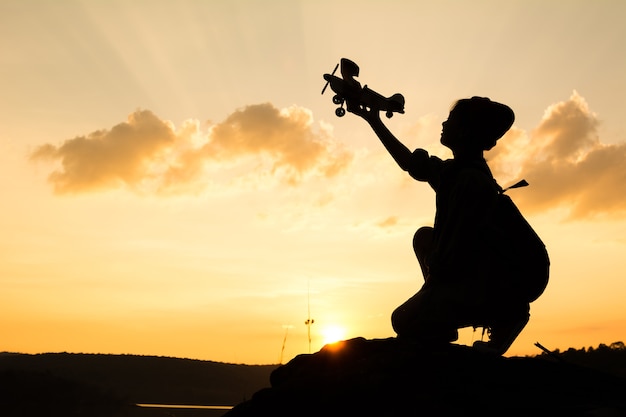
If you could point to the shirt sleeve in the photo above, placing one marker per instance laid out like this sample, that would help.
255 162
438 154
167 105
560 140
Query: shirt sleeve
425 167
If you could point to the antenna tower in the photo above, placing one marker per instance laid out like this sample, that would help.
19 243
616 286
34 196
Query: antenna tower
309 321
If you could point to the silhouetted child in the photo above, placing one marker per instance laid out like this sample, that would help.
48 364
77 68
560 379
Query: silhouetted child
466 283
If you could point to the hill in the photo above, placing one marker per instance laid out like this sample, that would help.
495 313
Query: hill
390 377
609 358
108 383
355 377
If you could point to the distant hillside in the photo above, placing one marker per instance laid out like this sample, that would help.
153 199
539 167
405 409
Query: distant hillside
128 379
25 393
90 385
608 358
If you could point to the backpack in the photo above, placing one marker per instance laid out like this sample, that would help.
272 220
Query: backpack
518 249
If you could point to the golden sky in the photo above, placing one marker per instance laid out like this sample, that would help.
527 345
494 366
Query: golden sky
174 184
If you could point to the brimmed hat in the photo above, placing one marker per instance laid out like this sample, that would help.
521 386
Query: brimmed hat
487 120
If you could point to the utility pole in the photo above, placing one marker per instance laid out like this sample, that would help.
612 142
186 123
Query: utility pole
309 321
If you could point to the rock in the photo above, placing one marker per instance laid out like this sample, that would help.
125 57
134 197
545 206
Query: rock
390 377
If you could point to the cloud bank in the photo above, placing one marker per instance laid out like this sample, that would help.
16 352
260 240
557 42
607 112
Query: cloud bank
146 153
563 159
565 163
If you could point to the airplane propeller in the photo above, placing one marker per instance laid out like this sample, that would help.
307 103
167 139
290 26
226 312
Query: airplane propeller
328 82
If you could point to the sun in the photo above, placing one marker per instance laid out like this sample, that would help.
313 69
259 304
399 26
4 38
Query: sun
332 333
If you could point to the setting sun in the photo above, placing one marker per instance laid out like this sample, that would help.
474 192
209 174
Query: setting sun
332 334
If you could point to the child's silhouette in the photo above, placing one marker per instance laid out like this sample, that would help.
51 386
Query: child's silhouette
466 283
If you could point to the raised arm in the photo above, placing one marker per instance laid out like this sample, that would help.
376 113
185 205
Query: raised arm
400 153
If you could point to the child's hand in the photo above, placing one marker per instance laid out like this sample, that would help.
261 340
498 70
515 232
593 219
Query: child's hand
369 115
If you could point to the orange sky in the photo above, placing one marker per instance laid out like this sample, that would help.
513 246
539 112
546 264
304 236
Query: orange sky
174 183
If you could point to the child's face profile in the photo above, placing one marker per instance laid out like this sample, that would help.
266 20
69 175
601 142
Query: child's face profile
451 132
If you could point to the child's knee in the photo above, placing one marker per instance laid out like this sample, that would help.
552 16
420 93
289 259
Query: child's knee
423 238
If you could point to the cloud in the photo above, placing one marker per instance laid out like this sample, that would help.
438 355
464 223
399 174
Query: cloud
146 153
109 158
388 222
566 164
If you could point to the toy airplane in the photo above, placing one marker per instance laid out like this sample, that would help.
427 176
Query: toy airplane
349 91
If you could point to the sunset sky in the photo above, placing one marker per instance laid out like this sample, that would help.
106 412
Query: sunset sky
173 183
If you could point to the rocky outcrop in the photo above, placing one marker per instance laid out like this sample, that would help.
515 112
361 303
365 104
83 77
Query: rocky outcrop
390 377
